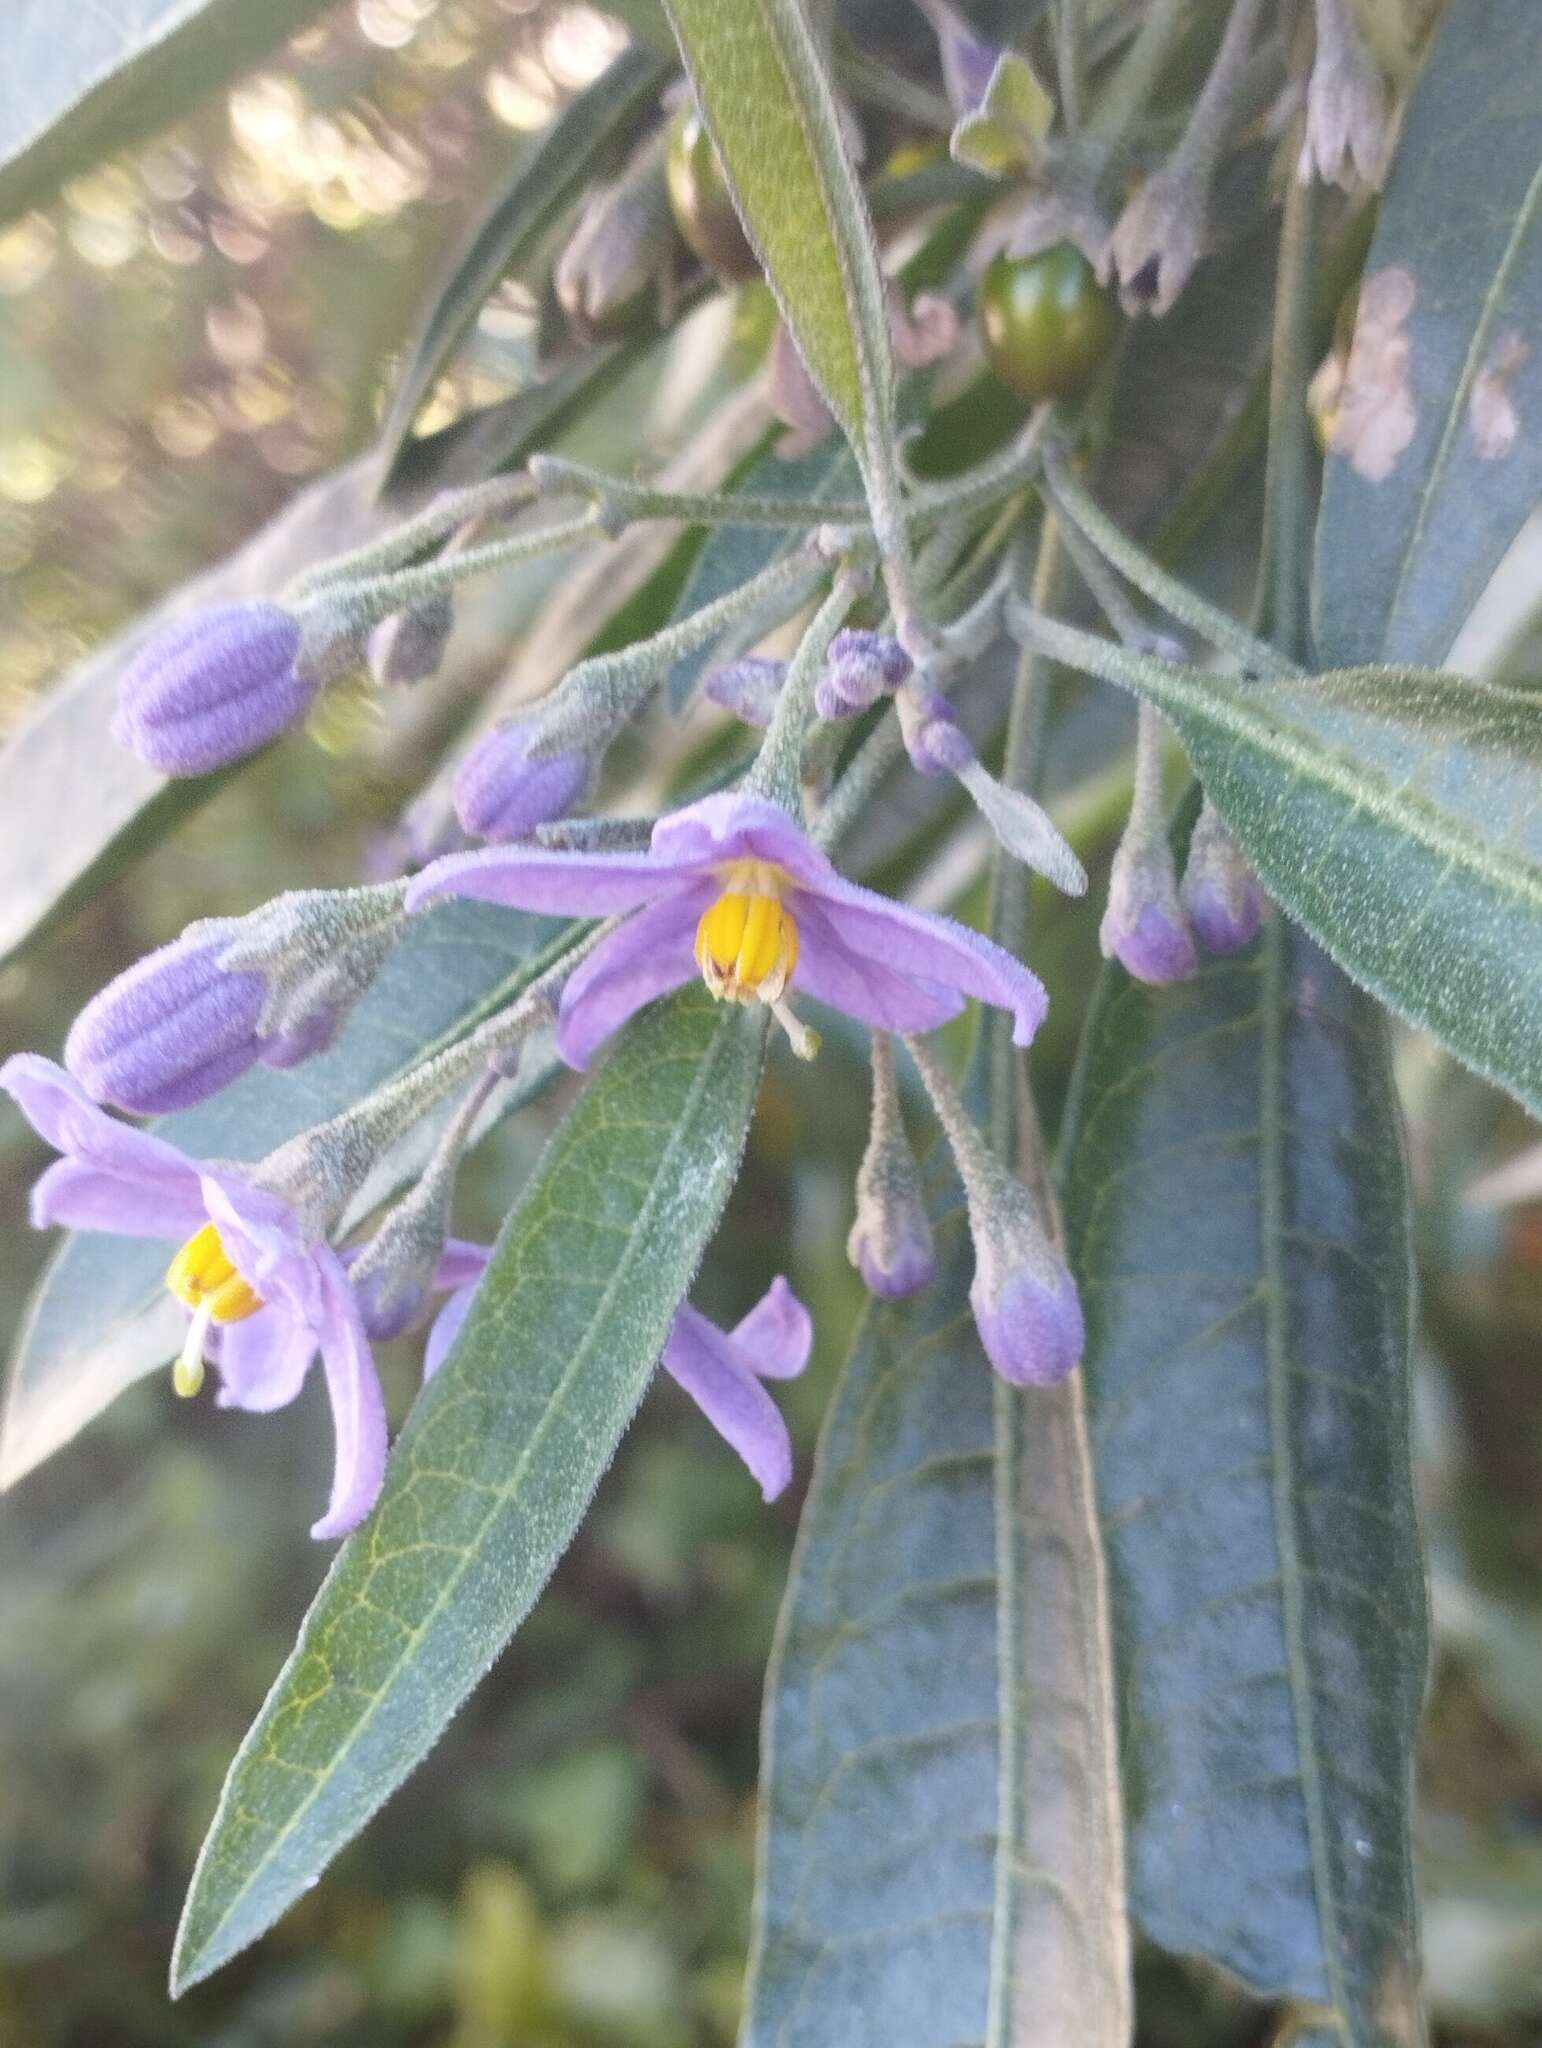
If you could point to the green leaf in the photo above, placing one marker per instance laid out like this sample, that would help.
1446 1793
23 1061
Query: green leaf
924 1811
1236 1214
768 105
1397 813
1437 456
546 179
102 1318
731 555
495 1467
79 82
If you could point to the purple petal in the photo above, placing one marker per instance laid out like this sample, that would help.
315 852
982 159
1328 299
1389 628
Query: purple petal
358 1411
264 1242
936 950
446 1328
59 1110
731 826
263 1360
829 971
544 879
647 956
87 1198
777 1334
462 1263
703 1360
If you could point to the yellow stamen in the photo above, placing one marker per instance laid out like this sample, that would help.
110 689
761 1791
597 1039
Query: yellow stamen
747 941
203 1276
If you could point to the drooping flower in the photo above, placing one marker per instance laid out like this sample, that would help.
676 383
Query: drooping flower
890 1242
503 792
213 687
720 1369
732 889
265 1298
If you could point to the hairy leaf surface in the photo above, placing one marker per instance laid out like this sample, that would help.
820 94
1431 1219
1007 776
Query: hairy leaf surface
495 1467
1235 1208
1437 457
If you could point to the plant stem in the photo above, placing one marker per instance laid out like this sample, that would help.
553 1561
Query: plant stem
619 501
776 770
1281 610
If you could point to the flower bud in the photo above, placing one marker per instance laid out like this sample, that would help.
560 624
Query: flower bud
274 986
1220 892
1144 927
171 1030
503 790
967 59
1346 105
860 668
890 1242
748 687
1028 1312
621 249
213 687
408 647
934 739
795 398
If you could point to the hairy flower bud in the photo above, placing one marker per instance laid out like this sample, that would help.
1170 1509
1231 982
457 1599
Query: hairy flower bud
934 739
860 668
408 647
1026 1309
213 687
1346 105
272 987
1220 892
1144 926
890 1242
504 789
171 1030
748 687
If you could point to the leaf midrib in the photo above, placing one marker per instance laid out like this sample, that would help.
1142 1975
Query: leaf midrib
501 1498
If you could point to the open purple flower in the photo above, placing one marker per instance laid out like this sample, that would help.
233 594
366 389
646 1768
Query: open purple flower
720 1369
732 889
264 1299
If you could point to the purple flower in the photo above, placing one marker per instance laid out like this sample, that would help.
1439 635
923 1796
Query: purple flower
177 1026
1144 926
264 1298
721 1370
502 793
731 888
212 688
1220 891
860 668
1029 1316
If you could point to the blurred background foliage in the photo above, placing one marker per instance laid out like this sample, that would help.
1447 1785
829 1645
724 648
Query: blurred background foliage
186 335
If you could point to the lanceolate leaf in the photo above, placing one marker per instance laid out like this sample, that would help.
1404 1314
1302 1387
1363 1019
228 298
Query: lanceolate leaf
939 1858
78 82
545 180
1437 452
765 98
1235 1208
102 1317
495 1466
1397 813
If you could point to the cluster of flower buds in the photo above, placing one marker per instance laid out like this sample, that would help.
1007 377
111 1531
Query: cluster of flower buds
1151 925
272 987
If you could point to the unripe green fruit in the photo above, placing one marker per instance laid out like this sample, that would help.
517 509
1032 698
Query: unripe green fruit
700 202
1046 321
